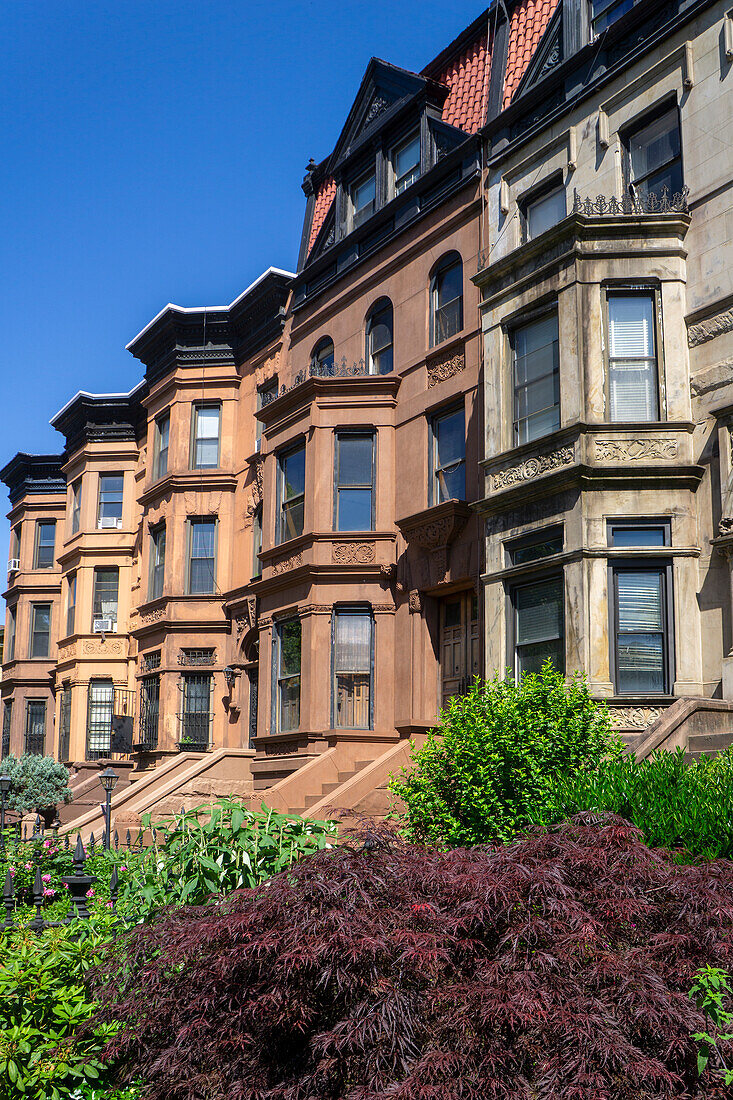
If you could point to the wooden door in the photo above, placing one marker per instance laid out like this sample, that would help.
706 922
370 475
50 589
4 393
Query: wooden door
459 644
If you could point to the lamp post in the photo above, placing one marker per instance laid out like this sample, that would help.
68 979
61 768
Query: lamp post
108 779
5 782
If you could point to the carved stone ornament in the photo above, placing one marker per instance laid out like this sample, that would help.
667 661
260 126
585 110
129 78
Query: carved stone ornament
710 328
635 450
415 601
287 564
107 648
637 718
317 609
353 553
533 467
383 608
153 616
66 651
265 622
725 527
442 369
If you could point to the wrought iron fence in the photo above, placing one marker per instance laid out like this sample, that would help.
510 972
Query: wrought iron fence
638 203
335 369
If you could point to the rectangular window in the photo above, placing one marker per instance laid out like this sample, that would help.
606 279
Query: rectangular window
363 199
406 163
632 357
149 712
352 668
288 643
292 494
654 157
266 393
157 562
205 437
606 12
99 718
76 506
15 533
10 639
7 719
536 379
196 716
201 557
160 453
44 552
35 726
354 481
109 513
539 618
65 722
70 603
40 629
639 534
104 600
535 547
642 656
257 541
543 212
448 457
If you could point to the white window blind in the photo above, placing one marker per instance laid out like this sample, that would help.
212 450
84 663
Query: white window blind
632 357
640 643
539 613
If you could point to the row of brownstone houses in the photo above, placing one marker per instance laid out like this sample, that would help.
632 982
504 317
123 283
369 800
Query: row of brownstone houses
486 422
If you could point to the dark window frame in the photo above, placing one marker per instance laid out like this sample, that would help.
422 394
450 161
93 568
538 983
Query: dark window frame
395 148
517 326
156 566
278 678
541 576
160 453
536 538
257 541
31 737
38 545
446 263
663 524
433 468
281 532
99 730
543 190
33 633
7 727
366 610
667 105
650 290
192 721
376 311
319 363
339 435
653 564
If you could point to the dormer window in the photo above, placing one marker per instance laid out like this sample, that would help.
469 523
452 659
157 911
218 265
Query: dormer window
363 199
406 163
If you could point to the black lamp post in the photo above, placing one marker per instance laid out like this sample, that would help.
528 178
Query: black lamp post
108 779
5 782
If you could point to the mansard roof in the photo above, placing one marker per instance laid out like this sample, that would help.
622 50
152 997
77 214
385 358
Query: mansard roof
215 334
94 417
33 474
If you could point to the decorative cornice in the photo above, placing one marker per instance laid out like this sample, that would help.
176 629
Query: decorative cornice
635 450
437 526
532 468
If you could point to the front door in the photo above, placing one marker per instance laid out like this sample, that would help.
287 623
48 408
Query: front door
459 649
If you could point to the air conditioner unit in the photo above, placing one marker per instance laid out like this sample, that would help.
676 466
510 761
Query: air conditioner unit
14 565
105 626
109 521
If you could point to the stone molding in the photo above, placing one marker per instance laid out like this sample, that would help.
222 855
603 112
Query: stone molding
635 450
717 325
103 649
533 467
286 564
637 718
153 616
353 553
440 370
415 601
65 652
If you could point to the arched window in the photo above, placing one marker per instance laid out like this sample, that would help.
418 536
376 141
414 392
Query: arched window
379 338
446 299
322 357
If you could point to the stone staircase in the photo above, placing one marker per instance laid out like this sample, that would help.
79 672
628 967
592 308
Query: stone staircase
697 725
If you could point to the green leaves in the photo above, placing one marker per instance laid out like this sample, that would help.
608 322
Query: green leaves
711 992
38 782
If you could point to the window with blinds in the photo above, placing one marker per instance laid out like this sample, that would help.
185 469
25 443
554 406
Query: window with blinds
289 638
536 379
641 641
632 356
539 625
352 667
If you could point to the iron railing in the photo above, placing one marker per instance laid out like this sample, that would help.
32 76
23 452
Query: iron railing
648 203
149 714
336 369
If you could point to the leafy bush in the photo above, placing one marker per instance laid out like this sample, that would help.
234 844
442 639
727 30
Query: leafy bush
489 770
45 1051
214 850
557 967
711 992
38 782
676 805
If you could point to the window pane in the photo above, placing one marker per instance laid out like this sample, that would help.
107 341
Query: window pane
539 612
530 658
631 326
536 379
633 390
364 193
449 284
35 726
640 600
450 435
407 159
45 545
655 145
355 460
353 641
354 510
41 630
639 536
535 396
534 551
202 539
611 12
99 732
110 499
294 474
202 581
640 663
292 520
290 633
380 332
545 212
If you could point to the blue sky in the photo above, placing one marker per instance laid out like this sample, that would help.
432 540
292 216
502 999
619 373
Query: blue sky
153 152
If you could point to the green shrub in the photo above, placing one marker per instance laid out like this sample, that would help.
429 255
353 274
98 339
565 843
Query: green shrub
490 768
676 805
45 1053
214 850
38 782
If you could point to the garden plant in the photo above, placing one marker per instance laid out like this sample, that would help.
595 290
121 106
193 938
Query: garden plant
38 783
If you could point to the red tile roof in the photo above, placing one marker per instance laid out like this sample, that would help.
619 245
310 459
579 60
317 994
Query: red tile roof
324 198
467 76
528 24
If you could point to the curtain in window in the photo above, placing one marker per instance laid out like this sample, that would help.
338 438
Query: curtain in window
640 640
352 660
633 365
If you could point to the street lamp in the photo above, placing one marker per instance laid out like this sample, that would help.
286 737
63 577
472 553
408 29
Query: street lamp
108 779
5 782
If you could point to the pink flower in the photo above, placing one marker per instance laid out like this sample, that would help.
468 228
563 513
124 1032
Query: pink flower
47 844
29 866
46 878
90 892
65 885
108 904
12 870
48 893
123 868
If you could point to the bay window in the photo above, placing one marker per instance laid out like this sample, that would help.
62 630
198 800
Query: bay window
160 453
205 437
354 490
288 640
104 598
201 571
109 509
44 552
352 667
633 380
536 379
40 630
291 493
157 562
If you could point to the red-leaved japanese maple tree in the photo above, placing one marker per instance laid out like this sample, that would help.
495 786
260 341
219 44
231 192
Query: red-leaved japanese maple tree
556 968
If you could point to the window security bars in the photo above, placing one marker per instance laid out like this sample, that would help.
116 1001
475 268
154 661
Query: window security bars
99 718
536 379
149 713
197 657
666 202
7 719
150 661
44 553
35 726
65 724
109 511
196 716
253 703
